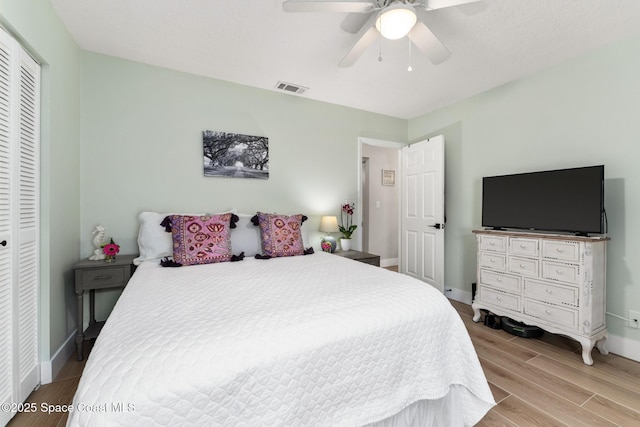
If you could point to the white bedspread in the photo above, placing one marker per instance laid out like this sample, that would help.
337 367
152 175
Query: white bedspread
314 340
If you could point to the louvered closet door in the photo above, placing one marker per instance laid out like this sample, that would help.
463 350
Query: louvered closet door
6 299
19 195
27 224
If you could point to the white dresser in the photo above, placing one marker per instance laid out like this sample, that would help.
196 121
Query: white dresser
555 282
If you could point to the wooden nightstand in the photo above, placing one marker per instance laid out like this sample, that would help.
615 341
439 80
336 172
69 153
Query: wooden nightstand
92 275
360 256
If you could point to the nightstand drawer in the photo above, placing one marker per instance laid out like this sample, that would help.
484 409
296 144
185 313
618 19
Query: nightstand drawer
103 277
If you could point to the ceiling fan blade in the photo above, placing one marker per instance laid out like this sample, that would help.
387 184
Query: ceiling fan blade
328 6
441 4
428 43
354 22
367 35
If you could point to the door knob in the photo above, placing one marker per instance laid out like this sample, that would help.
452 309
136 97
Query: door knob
437 226
3 243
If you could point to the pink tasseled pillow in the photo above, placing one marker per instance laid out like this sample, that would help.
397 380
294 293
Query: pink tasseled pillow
201 239
281 235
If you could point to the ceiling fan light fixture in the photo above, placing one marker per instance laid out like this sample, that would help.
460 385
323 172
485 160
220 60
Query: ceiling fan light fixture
395 21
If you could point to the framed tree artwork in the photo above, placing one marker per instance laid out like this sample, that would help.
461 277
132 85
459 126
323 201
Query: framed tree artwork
235 155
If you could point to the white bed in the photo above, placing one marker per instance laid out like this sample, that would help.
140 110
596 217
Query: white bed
315 340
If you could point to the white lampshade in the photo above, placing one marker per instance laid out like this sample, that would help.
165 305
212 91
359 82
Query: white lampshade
329 224
395 21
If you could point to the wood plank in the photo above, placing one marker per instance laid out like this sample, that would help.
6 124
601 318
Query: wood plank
609 388
531 374
498 393
520 413
494 419
626 372
487 342
612 411
539 397
55 393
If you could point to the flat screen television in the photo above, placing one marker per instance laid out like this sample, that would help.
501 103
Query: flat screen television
564 200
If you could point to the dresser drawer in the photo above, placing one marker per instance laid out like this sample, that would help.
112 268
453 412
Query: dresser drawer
493 261
522 246
557 249
560 316
493 243
569 273
508 301
500 281
102 277
525 266
551 292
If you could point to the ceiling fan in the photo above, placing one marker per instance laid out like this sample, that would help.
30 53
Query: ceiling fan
393 19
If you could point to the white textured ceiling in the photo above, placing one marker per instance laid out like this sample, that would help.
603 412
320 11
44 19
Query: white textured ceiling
255 43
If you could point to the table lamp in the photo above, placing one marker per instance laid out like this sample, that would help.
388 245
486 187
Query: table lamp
329 224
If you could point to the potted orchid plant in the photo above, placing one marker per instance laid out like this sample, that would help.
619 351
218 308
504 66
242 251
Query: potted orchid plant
346 227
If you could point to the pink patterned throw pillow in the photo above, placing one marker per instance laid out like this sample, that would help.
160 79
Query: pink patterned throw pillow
201 239
281 235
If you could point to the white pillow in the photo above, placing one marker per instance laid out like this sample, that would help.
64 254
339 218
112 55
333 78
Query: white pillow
245 237
153 241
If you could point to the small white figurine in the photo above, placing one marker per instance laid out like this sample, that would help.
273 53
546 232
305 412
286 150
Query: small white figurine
98 242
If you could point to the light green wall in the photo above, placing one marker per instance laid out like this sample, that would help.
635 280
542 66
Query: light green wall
39 29
583 112
142 147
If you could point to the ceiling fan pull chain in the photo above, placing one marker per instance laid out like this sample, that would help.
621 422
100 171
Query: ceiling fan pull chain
380 49
409 68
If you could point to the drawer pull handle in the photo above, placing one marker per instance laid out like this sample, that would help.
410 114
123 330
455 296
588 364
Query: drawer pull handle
499 280
491 243
548 291
522 266
491 260
499 298
103 277
559 250
559 272
548 312
522 245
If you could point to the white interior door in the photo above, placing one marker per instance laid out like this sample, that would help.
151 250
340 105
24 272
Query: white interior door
422 211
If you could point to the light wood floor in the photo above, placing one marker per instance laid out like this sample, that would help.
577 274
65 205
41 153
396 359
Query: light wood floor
535 382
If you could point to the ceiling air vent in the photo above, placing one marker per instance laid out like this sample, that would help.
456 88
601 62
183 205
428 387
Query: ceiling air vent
290 87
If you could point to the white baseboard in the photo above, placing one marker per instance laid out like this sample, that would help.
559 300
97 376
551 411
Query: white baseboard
458 295
388 262
623 347
615 344
50 368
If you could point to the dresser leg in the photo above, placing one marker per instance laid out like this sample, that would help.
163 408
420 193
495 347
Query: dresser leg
600 344
476 313
587 346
